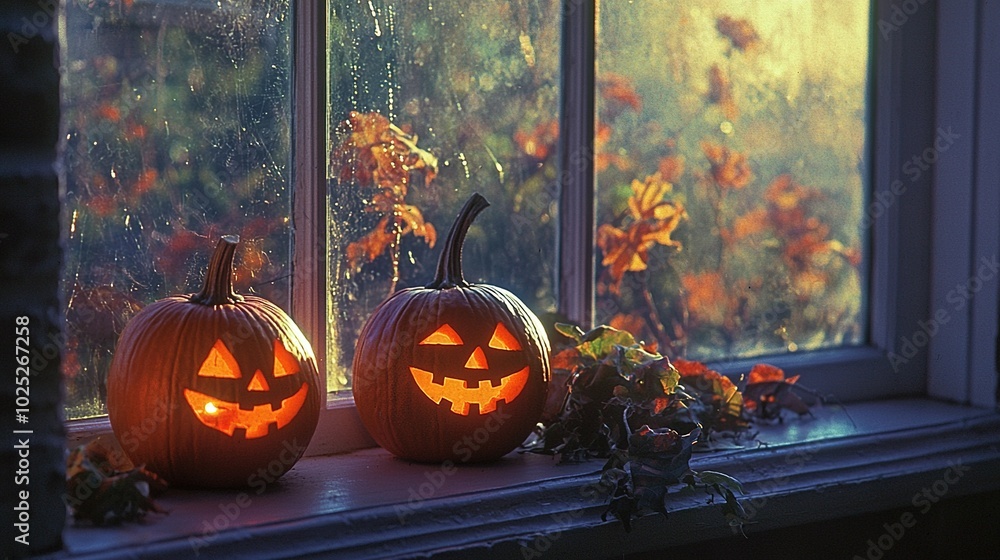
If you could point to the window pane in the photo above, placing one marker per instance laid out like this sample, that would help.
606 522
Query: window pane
449 98
177 122
732 170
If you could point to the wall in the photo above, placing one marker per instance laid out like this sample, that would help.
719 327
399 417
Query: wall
29 273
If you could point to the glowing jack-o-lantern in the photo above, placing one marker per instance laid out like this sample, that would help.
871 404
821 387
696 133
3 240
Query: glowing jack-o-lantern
228 416
453 370
485 394
215 388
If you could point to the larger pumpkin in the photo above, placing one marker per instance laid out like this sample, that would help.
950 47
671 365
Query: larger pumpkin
214 389
451 371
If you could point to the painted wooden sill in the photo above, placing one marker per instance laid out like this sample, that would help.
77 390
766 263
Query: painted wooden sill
368 504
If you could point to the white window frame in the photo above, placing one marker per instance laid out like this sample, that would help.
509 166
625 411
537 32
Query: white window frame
915 266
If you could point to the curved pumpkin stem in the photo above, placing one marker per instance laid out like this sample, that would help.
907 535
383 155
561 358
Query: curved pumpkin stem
218 287
449 269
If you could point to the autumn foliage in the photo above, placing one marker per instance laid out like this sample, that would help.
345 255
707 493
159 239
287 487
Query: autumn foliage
381 159
707 248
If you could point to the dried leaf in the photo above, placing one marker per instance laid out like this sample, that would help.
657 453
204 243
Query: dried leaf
97 491
768 392
653 221
570 331
601 342
722 479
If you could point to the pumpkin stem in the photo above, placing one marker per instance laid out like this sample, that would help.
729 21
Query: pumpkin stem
449 269
218 287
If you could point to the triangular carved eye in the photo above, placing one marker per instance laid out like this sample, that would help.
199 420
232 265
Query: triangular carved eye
220 363
503 340
444 335
284 362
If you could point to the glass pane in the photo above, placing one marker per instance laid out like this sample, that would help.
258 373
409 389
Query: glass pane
177 119
448 98
732 169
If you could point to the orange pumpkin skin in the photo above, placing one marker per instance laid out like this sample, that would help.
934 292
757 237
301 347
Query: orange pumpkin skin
452 371
214 389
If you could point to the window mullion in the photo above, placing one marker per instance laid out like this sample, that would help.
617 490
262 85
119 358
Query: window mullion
309 284
576 162
983 352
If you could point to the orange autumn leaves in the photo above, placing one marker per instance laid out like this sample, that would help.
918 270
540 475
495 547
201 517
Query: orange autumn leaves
382 158
760 246
713 388
650 221
801 237
766 393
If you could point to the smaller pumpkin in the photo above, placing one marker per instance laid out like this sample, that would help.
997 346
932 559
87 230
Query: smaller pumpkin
214 389
451 371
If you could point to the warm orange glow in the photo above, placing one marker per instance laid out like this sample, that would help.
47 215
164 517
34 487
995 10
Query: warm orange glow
503 340
461 397
227 416
445 335
220 363
477 360
284 362
258 383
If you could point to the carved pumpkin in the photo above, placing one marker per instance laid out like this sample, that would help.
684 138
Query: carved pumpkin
214 389
451 371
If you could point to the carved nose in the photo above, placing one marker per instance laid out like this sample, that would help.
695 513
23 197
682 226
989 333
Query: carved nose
477 360
258 383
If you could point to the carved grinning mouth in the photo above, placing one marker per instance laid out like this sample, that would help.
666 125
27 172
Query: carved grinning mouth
461 396
227 416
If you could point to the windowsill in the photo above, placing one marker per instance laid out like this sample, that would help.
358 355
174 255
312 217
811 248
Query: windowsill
350 505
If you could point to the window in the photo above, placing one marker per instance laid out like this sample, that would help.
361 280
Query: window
732 165
428 104
177 122
240 132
